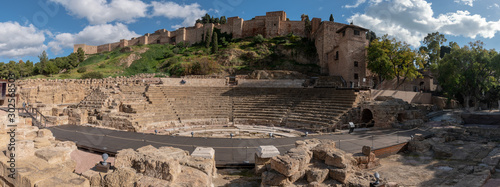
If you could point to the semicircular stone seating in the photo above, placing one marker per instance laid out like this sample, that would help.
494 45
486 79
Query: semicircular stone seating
157 106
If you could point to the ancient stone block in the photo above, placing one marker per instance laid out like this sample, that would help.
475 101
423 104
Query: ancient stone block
205 165
192 177
95 179
267 151
366 150
41 142
317 175
204 152
54 155
45 133
121 177
285 165
146 181
320 151
65 179
272 178
336 159
297 176
24 149
340 175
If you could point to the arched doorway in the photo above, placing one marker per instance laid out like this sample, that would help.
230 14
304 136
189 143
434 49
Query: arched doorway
367 117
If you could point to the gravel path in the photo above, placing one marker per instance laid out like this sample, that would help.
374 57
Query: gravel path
85 160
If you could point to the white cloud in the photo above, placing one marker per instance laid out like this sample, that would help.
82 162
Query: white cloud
17 41
92 35
190 13
360 2
102 11
495 5
128 11
466 2
412 20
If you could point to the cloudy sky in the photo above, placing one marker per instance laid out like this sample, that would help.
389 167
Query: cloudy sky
29 27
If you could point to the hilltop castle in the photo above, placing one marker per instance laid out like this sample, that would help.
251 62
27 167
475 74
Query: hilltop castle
341 48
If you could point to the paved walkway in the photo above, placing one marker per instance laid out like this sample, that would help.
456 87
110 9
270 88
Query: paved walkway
227 151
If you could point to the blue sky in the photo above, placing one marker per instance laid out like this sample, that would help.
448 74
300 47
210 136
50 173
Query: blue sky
29 27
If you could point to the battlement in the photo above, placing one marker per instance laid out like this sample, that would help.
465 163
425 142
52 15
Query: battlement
341 48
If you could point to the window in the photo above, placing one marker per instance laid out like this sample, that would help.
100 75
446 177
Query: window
355 63
343 33
356 76
356 32
337 55
158 41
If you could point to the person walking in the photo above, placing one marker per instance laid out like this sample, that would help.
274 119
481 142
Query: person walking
351 127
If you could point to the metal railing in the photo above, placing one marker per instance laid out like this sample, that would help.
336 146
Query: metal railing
38 119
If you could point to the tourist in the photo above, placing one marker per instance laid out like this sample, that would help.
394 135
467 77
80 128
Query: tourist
351 127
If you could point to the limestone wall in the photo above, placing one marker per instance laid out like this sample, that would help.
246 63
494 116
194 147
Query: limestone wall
194 82
408 96
297 83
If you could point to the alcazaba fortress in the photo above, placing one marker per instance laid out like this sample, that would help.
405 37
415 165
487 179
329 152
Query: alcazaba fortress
341 48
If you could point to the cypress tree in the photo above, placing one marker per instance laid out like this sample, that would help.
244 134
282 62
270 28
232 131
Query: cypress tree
215 43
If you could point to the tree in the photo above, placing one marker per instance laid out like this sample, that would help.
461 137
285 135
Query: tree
51 68
223 20
205 19
81 55
433 42
371 36
208 38
391 59
22 68
307 23
216 20
215 43
43 60
469 72
28 68
331 18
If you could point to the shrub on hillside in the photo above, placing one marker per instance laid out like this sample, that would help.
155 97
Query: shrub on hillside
81 70
258 39
92 75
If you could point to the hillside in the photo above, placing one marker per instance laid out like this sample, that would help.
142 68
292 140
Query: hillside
240 56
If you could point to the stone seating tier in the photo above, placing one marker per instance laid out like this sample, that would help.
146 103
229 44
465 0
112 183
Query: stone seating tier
314 109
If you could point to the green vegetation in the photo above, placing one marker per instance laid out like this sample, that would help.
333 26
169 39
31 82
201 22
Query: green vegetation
469 74
391 59
93 75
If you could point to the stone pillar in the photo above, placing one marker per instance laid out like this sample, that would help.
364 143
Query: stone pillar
263 157
204 152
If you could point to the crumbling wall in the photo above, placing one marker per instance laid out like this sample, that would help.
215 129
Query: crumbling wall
317 163
149 166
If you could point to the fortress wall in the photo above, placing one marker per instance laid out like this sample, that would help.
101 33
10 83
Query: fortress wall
295 27
272 28
234 25
114 46
153 39
180 35
88 49
410 97
281 14
133 42
253 28
295 83
194 82
103 48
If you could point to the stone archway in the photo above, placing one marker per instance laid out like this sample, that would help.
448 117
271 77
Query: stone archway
366 116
